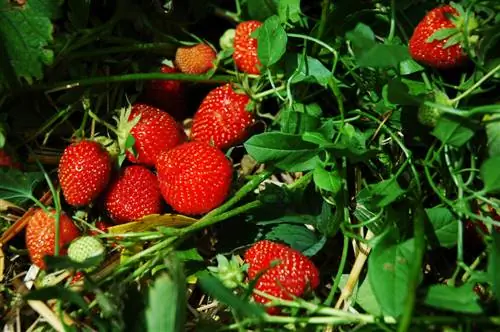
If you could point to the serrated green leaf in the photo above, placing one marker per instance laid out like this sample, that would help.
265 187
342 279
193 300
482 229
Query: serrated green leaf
271 41
328 222
16 186
388 272
490 175
289 10
300 118
25 33
189 255
445 226
286 151
441 34
214 287
453 131
167 300
306 69
327 180
461 299
296 236
385 192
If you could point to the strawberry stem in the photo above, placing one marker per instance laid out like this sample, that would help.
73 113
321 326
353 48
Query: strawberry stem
475 85
263 94
104 123
392 28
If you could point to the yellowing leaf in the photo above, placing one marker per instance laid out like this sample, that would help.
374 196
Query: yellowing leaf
152 221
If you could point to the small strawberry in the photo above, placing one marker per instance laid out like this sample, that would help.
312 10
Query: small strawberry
167 95
245 48
292 275
196 59
133 195
436 40
154 131
222 118
41 235
84 172
194 177
87 247
428 115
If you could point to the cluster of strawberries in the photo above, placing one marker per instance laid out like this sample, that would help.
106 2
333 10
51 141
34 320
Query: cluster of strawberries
193 176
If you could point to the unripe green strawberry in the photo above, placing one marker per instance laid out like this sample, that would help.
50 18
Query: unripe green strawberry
86 247
229 272
428 115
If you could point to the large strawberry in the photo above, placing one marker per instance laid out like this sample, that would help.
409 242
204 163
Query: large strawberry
196 60
194 177
245 48
41 235
84 172
154 131
168 95
222 118
437 39
133 195
286 272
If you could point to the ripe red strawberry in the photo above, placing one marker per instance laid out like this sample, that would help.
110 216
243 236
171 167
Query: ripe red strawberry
133 195
436 41
293 275
196 59
245 48
154 131
100 225
84 171
7 161
167 95
194 177
41 235
222 118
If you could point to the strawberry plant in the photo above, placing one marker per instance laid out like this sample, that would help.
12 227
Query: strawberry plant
250 165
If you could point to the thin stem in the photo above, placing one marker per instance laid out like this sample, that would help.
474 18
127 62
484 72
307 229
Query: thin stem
416 267
476 85
268 92
392 28
340 271
163 47
325 5
130 78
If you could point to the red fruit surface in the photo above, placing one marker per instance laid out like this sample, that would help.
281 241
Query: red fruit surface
245 48
156 131
194 177
84 172
433 53
292 276
196 59
41 235
168 95
7 161
133 195
222 118
100 225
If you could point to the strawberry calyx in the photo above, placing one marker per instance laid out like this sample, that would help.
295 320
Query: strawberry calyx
124 127
461 28
229 272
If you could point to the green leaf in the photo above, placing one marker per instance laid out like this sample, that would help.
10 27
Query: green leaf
261 9
271 41
452 131
388 272
366 299
399 93
189 255
57 292
490 175
445 226
306 69
289 10
461 299
214 287
385 192
16 186
494 265
300 118
288 152
64 262
296 236
493 134
167 300
370 54
327 180
328 222
409 66
25 33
